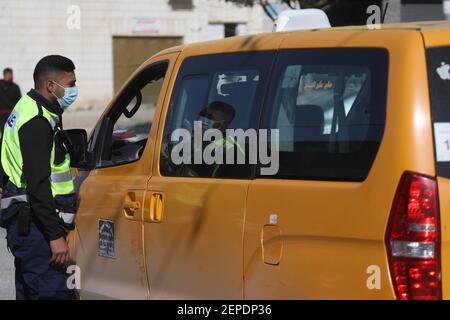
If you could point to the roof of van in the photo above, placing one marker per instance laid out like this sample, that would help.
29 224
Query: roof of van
435 33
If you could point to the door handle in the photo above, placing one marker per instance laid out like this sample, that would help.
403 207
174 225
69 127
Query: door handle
271 244
131 205
156 207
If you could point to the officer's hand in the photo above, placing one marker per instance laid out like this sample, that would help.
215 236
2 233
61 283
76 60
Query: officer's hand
60 252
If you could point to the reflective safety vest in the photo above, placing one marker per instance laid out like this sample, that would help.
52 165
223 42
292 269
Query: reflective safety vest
11 159
227 143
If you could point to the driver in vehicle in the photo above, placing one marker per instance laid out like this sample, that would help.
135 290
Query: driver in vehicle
217 115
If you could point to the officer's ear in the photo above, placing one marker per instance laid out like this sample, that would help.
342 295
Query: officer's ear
50 86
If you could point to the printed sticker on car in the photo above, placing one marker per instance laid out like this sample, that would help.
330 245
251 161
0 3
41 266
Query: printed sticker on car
106 238
444 71
442 141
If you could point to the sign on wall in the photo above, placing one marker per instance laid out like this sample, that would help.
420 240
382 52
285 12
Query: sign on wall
146 25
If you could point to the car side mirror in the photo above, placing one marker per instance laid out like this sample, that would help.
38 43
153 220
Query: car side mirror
76 144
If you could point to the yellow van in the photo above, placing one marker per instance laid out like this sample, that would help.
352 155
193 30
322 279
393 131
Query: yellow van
357 208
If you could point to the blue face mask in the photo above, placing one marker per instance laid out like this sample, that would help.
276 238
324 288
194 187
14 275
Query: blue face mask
206 123
70 95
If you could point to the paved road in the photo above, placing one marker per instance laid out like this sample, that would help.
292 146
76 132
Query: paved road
6 270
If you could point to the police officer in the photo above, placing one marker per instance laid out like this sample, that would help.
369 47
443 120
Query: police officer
9 90
38 202
9 95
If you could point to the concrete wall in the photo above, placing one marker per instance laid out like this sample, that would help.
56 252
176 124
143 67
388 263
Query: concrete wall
31 29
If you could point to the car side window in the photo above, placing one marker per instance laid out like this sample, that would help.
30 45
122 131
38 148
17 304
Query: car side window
438 60
130 120
329 106
222 92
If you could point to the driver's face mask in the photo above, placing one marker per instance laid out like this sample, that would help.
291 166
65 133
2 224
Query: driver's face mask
206 122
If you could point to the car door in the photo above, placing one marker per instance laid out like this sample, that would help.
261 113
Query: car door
194 227
109 247
316 226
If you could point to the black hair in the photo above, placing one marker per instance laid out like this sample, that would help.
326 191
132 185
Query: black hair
6 70
51 64
223 107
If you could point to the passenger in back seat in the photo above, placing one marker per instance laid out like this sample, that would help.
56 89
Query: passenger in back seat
308 126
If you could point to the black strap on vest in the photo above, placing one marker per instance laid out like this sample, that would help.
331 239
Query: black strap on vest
40 112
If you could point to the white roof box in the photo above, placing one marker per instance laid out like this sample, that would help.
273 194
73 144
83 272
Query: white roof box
301 19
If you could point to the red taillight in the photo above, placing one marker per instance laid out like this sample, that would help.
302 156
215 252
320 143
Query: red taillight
413 239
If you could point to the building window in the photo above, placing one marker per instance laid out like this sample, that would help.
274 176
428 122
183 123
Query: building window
225 30
230 29
181 4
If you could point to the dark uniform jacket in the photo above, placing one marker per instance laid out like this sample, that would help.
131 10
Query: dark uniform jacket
9 95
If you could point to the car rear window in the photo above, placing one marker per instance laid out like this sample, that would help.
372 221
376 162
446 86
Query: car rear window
329 106
439 84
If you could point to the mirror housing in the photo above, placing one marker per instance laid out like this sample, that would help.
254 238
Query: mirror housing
76 144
